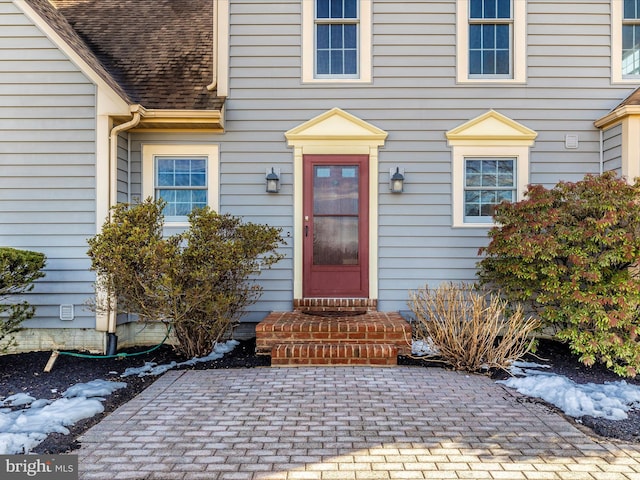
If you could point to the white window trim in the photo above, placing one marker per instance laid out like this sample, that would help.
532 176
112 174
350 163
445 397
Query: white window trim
519 53
617 13
460 152
149 152
308 45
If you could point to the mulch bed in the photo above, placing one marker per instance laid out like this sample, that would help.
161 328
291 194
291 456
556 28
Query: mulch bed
23 373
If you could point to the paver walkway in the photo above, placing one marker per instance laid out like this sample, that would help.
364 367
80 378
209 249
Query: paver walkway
342 423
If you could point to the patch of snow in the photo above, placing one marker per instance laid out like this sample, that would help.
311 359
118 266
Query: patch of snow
422 348
22 430
94 388
17 400
151 368
611 400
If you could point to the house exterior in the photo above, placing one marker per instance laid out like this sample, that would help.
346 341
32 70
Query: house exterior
197 101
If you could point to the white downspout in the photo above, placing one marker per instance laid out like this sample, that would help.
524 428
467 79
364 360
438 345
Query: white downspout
138 113
601 151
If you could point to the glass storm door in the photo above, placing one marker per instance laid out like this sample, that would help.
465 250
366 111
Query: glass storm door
336 226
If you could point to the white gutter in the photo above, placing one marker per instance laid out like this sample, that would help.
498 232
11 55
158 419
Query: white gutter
138 113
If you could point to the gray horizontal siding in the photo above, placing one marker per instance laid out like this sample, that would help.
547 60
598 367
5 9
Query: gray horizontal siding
47 166
612 149
414 96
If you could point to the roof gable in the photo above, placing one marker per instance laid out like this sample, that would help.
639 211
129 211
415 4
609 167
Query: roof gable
160 52
67 39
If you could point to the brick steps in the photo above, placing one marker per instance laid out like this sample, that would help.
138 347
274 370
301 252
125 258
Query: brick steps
298 338
290 354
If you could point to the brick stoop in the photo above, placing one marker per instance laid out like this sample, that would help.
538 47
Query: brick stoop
290 354
298 338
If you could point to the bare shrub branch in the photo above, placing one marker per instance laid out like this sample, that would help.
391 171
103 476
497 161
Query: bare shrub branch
471 329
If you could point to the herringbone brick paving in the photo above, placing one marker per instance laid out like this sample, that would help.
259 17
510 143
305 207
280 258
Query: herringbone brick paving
342 423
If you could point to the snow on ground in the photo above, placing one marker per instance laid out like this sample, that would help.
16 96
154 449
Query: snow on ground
22 429
151 368
610 400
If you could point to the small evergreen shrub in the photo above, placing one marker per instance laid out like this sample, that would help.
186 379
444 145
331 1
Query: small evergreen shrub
570 254
471 330
19 269
198 281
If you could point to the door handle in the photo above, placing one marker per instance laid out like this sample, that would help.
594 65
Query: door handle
306 230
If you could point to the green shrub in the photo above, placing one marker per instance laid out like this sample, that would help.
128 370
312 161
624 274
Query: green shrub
198 281
471 329
570 253
18 270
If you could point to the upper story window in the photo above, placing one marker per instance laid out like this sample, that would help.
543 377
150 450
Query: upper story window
490 37
625 41
184 176
336 40
631 38
337 37
491 43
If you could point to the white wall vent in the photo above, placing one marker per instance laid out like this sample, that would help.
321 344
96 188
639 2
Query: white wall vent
571 141
66 312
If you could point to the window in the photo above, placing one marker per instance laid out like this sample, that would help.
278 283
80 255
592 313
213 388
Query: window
184 176
490 164
182 183
625 41
336 40
631 38
490 33
487 183
491 44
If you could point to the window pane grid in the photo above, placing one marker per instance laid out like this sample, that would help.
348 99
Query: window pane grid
488 182
336 35
631 38
631 9
336 9
481 9
490 38
182 183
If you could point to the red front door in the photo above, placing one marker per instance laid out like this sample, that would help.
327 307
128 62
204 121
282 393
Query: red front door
336 226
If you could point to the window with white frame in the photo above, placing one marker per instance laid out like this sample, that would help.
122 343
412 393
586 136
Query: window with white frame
491 44
184 176
487 183
490 38
490 165
336 40
631 38
625 41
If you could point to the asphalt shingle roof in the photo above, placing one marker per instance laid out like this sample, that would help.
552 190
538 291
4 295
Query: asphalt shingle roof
159 52
633 99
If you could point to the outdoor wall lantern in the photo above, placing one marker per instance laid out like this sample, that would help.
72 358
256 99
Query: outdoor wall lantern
273 180
396 180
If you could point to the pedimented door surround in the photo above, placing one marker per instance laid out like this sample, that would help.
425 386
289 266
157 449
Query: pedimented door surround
335 132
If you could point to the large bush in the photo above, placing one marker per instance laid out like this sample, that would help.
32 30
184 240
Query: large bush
571 254
18 270
471 329
198 281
